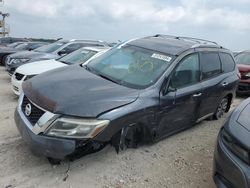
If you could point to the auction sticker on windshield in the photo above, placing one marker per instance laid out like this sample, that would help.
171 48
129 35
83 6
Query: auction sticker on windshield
161 57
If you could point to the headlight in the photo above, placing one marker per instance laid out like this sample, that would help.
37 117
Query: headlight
76 128
235 147
16 61
29 77
247 75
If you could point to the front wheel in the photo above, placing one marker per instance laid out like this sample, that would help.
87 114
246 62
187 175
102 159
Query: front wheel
222 108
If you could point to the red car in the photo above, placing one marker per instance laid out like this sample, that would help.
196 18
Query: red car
243 63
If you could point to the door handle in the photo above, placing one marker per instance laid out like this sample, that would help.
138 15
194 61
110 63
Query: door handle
224 84
197 95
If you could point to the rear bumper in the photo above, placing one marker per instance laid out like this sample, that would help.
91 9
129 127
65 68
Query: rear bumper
229 171
43 145
243 88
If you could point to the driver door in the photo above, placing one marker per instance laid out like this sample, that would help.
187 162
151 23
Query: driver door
179 107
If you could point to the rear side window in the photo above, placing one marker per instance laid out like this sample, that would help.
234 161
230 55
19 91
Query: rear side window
210 64
227 62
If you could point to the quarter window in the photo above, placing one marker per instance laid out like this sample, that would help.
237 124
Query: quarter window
227 61
187 72
210 64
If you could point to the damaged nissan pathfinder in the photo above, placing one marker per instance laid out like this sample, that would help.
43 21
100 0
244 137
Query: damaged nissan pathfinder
139 92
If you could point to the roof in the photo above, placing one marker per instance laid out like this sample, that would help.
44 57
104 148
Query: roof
99 42
172 45
97 49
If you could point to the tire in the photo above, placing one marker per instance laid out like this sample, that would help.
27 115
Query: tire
222 108
54 161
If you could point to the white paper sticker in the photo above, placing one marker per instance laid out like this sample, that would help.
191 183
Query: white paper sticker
162 57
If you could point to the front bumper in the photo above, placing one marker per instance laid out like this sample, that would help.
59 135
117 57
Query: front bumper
243 88
229 171
10 70
16 85
57 148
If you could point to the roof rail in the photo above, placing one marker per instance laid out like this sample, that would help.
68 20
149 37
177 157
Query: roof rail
197 40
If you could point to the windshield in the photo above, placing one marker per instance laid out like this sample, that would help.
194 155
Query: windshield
13 45
243 58
23 46
78 56
51 47
131 66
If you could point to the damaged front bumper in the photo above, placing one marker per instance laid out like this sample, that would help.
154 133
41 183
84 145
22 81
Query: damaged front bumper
57 148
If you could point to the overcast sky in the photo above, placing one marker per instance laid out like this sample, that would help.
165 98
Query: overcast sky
224 21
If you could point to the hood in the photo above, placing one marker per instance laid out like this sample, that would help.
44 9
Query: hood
74 91
243 68
8 50
238 124
32 55
39 67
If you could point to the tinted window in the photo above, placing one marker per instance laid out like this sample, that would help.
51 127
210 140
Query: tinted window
72 47
78 56
187 72
227 62
210 64
51 47
243 58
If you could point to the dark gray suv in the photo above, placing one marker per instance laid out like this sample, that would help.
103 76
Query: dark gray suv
138 92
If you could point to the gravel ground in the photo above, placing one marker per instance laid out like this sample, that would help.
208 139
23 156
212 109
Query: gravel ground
180 161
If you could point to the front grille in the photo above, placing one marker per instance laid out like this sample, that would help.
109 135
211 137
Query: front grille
35 114
19 76
8 60
244 87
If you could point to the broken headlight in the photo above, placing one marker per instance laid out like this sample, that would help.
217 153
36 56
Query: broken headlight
235 147
76 127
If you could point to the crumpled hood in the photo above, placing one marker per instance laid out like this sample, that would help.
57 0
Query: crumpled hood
32 55
75 91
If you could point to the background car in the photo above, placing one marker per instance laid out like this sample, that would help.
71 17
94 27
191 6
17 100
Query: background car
4 41
24 46
30 70
51 51
138 92
231 155
243 62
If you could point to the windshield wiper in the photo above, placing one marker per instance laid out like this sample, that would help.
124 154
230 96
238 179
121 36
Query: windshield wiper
101 75
107 78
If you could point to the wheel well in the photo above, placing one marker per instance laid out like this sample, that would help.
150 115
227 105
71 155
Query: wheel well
230 99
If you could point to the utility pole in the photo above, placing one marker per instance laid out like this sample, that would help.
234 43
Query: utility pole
4 15
2 22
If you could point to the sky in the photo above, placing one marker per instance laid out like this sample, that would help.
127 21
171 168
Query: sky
224 21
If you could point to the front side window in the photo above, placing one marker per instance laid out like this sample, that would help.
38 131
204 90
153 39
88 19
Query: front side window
78 56
243 58
187 72
23 46
210 64
131 66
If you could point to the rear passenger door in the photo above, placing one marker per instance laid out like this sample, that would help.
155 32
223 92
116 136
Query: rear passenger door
212 82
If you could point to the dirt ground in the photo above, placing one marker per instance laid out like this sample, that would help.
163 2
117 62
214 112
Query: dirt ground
180 161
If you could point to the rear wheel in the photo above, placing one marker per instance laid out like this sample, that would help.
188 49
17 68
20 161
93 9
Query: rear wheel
222 108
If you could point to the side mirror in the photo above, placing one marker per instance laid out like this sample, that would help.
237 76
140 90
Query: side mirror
167 87
62 53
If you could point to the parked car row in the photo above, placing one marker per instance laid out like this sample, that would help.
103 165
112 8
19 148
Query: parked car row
78 96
